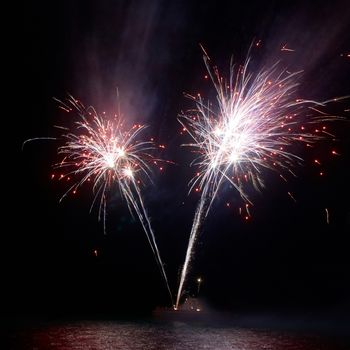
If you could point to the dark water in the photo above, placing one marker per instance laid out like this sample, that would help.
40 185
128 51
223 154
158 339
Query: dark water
103 335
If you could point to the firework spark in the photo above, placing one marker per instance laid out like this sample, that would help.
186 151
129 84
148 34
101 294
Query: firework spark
327 215
256 120
102 152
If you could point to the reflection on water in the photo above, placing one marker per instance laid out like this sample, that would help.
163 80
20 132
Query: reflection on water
103 335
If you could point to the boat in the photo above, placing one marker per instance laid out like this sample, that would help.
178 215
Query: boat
191 310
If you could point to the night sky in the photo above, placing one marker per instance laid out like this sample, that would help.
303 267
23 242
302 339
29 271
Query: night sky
286 257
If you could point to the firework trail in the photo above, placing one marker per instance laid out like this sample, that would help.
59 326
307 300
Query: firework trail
104 153
256 119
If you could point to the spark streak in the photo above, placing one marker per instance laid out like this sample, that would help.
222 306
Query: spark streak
252 127
327 215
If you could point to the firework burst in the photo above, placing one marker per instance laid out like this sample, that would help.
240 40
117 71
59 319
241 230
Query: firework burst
252 127
105 153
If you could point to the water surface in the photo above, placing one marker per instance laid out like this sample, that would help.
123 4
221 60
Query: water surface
103 335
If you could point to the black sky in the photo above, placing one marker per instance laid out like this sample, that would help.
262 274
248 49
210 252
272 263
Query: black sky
285 257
